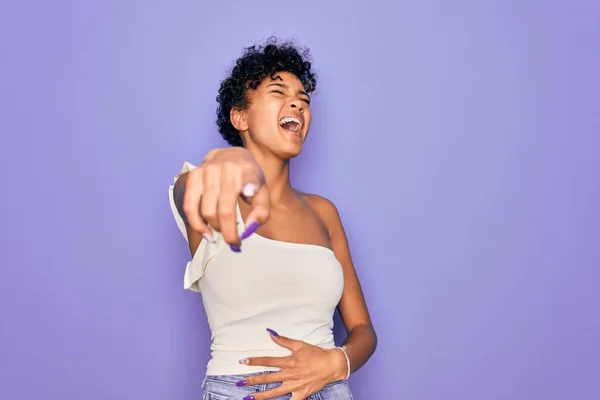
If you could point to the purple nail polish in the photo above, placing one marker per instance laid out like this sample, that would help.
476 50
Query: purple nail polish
241 383
235 248
249 398
272 332
249 230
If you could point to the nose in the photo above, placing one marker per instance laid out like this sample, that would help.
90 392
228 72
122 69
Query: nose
297 104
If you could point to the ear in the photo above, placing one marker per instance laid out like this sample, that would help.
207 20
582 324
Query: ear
238 119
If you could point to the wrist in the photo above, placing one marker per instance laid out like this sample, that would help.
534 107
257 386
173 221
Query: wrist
341 364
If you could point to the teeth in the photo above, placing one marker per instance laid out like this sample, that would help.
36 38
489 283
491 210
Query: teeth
290 119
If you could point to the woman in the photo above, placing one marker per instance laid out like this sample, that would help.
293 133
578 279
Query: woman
271 263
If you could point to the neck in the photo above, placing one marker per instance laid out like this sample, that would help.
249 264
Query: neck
277 175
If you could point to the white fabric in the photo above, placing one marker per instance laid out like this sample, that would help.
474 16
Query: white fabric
291 288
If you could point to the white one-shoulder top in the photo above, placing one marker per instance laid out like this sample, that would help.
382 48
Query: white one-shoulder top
291 288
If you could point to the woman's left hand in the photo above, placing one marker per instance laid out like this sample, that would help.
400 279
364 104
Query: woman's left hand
306 371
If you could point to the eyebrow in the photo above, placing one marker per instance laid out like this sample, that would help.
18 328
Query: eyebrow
283 85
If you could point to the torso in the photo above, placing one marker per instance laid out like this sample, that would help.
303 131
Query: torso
285 278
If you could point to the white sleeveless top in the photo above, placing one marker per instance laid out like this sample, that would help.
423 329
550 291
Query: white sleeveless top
291 288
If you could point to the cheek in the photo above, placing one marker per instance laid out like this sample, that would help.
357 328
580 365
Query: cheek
308 119
272 109
262 121
266 112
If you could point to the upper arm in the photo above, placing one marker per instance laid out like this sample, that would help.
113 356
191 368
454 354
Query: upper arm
353 308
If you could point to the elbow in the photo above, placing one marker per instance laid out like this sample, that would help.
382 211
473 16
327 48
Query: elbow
373 339
178 194
368 335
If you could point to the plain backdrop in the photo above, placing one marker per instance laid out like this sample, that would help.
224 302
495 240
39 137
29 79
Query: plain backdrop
459 141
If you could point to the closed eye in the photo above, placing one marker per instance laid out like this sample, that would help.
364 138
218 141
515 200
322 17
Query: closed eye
307 101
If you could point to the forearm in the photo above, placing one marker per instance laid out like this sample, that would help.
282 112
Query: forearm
360 345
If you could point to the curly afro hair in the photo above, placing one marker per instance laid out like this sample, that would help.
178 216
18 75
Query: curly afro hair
256 63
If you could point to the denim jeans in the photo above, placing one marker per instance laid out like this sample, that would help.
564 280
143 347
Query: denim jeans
223 387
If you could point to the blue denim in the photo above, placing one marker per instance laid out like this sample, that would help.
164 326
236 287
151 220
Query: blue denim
223 387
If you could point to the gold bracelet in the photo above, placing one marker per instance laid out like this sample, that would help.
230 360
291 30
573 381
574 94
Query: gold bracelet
343 349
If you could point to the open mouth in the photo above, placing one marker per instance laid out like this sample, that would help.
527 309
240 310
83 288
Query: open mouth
291 124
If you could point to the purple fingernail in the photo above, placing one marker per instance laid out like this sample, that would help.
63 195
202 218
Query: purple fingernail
235 248
272 332
249 230
241 383
249 398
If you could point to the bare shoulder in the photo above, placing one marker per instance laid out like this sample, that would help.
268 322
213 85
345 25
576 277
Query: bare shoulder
319 203
325 209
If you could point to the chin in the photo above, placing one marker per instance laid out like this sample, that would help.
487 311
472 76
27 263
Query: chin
290 152
291 147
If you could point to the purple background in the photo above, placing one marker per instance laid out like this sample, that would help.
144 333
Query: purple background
459 140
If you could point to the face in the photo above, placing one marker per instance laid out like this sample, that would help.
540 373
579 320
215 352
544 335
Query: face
277 117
